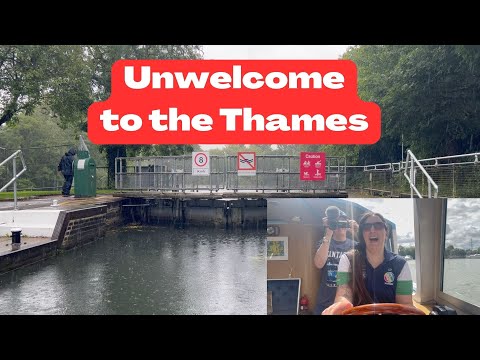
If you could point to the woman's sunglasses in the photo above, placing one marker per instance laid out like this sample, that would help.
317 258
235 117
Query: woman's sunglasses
377 225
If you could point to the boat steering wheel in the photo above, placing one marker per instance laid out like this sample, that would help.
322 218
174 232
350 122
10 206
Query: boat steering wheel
383 309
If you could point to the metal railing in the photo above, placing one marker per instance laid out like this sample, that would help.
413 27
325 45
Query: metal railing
273 173
456 176
410 172
16 175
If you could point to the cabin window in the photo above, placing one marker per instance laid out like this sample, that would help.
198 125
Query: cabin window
461 250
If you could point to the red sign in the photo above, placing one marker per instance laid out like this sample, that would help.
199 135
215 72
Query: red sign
312 166
234 101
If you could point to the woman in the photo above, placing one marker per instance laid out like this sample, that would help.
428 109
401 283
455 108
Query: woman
369 273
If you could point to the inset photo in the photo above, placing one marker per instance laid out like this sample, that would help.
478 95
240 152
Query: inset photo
370 256
316 245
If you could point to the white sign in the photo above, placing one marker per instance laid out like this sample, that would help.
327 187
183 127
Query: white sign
200 163
246 164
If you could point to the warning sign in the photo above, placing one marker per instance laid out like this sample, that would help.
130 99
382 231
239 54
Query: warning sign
312 166
200 163
246 164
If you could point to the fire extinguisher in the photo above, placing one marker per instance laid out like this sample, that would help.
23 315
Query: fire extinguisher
304 303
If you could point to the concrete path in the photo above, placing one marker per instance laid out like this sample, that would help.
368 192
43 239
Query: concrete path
47 202
26 242
38 216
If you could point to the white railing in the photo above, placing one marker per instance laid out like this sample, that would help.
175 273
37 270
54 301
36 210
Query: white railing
15 176
409 173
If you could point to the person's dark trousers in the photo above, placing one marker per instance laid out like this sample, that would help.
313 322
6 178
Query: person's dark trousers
67 184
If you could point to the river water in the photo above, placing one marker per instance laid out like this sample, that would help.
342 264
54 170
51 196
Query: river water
461 278
146 270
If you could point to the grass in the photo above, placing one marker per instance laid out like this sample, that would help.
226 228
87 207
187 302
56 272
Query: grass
31 194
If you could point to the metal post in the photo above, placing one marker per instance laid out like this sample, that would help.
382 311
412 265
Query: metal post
183 174
412 178
225 175
16 238
402 148
453 181
210 176
289 175
14 183
141 182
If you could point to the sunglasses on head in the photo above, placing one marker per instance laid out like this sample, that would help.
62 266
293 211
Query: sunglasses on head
377 225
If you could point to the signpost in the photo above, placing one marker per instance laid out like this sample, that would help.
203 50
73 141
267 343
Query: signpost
246 164
200 163
312 166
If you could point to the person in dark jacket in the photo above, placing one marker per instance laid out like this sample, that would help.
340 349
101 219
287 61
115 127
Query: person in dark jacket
66 167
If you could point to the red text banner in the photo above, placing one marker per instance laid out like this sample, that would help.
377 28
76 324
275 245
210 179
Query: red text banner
234 101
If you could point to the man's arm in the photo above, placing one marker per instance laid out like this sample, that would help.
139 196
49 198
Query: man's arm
59 167
321 255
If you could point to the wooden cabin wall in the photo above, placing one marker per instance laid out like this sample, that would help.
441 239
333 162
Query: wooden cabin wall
302 245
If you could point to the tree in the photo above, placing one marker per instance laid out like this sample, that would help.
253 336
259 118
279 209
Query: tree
54 76
406 250
66 79
429 95
42 143
102 58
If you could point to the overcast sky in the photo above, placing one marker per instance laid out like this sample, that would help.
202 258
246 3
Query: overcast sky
463 223
399 211
463 219
265 52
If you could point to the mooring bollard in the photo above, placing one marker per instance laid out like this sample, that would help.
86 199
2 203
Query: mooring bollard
16 238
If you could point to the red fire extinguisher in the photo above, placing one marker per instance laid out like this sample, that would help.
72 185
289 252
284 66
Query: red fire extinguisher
304 303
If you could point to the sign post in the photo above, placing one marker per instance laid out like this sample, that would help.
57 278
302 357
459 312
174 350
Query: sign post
200 163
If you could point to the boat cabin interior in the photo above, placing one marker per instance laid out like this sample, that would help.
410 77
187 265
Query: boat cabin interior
444 266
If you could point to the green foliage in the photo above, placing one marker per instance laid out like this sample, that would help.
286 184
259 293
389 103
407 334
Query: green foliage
427 93
453 252
64 80
406 250
51 75
429 96
101 59
32 194
43 142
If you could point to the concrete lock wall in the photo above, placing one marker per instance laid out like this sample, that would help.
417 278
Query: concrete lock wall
237 213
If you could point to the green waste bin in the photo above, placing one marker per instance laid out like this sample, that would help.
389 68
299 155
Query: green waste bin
85 175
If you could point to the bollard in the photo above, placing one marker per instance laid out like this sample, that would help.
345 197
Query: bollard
16 238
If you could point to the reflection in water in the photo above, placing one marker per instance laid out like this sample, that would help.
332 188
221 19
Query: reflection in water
151 270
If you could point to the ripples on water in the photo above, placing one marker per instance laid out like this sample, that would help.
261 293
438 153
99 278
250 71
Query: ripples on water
146 271
461 278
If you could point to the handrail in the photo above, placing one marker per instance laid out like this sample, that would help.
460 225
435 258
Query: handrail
381 167
13 157
412 162
273 172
